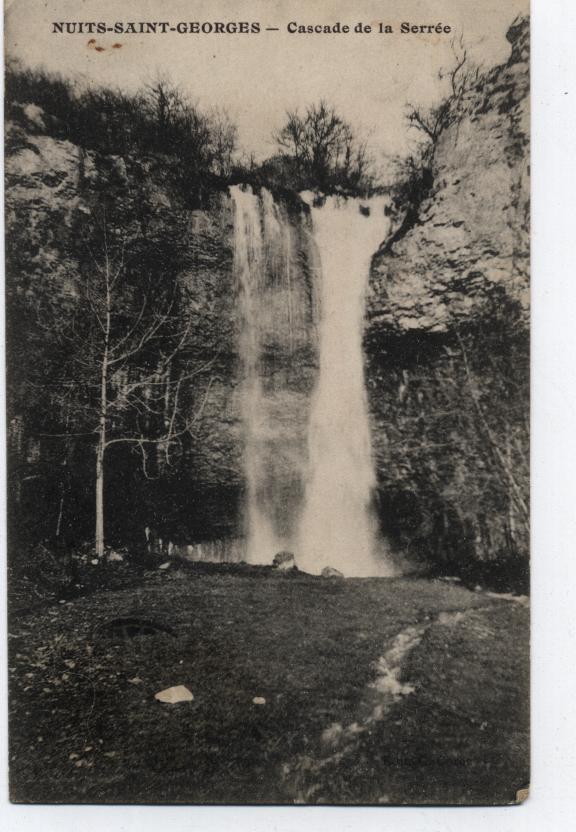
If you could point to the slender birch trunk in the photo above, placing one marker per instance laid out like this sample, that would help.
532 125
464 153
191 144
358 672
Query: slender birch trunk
101 446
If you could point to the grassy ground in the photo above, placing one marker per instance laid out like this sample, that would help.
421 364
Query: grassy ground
85 726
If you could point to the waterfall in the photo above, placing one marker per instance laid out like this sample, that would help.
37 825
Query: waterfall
248 266
273 327
337 526
309 474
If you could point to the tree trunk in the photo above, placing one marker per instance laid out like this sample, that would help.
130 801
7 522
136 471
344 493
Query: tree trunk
99 536
102 438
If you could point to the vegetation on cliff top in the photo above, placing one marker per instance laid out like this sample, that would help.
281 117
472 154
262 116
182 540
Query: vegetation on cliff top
317 149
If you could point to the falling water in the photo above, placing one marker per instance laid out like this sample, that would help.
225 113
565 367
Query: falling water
248 266
337 526
309 473
273 327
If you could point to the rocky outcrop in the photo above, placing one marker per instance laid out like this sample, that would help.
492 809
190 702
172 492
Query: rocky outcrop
472 234
284 561
55 190
447 337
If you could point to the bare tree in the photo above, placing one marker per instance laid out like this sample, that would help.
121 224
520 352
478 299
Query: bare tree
206 141
125 365
323 146
415 173
515 487
461 78
224 141
164 103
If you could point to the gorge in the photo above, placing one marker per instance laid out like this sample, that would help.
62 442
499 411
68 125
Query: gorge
268 379
433 373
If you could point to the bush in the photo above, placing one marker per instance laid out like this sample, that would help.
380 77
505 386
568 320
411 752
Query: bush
160 118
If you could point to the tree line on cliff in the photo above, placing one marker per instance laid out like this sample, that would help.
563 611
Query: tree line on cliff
316 148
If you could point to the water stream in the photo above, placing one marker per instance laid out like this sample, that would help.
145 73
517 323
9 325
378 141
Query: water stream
315 496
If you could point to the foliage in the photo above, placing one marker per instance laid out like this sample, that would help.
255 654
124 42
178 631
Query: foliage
414 177
160 118
320 150
454 469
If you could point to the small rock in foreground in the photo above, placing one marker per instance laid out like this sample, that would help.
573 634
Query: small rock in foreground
171 696
116 557
259 700
330 572
284 561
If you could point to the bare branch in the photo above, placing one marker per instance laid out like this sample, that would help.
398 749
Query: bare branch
500 456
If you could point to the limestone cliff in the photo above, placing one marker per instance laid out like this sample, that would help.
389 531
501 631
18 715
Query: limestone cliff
472 232
54 189
447 335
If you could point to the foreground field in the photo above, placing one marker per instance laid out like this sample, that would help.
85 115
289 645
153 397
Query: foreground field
367 691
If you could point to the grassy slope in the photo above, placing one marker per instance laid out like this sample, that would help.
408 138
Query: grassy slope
82 732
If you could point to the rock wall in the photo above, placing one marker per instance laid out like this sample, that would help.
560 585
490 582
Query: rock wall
447 335
54 190
473 233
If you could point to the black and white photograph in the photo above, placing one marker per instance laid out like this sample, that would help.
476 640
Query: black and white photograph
268 402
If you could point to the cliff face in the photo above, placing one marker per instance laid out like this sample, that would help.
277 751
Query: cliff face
447 336
55 193
472 235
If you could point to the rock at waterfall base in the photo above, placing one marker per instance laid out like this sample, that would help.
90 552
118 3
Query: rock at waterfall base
330 572
284 561
174 695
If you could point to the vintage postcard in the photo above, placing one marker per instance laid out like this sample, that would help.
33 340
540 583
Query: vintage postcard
268 401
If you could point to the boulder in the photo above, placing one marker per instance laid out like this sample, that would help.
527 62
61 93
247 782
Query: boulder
174 695
330 572
284 561
31 116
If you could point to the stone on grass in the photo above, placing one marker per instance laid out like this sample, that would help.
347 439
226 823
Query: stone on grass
259 700
330 572
171 696
284 561
115 556
164 565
